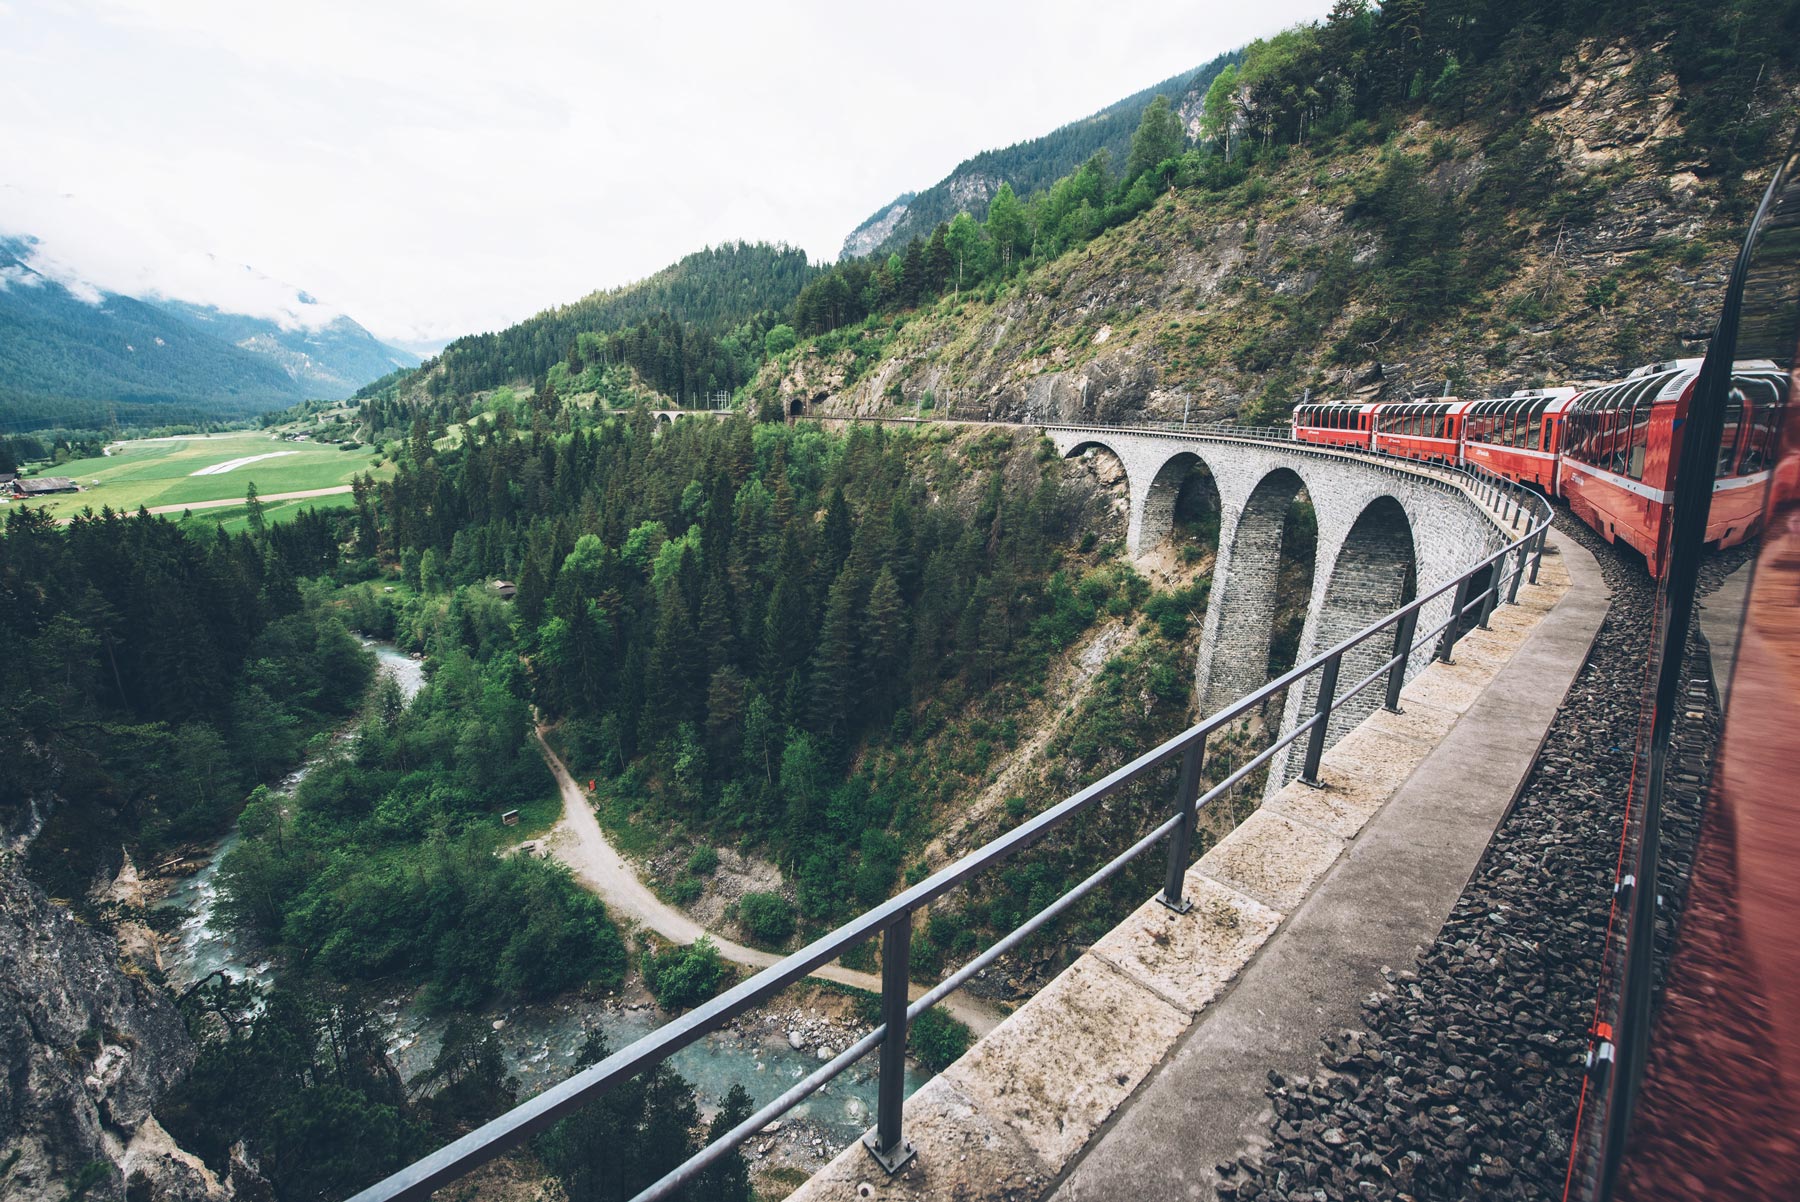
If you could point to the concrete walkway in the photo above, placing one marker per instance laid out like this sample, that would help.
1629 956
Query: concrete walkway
1721 619
1387 896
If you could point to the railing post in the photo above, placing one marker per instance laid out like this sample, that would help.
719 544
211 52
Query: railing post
1181 840
886 1144
1512 589
1315 738
1403 637
1537 555
1491 597
1447 646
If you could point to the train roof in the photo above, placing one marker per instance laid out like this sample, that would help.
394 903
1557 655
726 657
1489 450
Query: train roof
1440 405
1664 382
1533 401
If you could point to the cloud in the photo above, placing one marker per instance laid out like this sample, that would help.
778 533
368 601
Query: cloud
91 252
437 168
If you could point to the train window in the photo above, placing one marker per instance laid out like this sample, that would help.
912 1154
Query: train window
1731 434
1535 424
1768 400
1640 438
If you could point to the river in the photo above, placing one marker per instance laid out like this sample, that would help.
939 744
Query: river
540 1042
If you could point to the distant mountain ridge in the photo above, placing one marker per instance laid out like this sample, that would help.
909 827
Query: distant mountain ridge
704 296
72 353
331 361
1028 166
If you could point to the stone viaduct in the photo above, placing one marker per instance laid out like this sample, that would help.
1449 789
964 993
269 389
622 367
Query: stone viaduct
1386 533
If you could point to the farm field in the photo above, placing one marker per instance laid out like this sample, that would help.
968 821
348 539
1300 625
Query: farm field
183 471
234 520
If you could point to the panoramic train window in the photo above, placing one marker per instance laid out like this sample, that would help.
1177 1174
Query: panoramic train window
1767 396
1728 437
1640 438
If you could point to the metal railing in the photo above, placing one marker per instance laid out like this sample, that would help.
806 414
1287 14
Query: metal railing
1476 593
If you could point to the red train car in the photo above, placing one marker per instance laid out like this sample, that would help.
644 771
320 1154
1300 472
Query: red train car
1620 441
1517 436
1426 430
1334 423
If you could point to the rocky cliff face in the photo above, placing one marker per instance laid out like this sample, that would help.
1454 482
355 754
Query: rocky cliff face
90 1044
1211 305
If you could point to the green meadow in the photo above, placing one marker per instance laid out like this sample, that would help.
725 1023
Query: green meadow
235 520
159 472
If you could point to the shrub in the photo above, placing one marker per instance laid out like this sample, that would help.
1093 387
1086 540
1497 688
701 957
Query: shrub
937 1040
687 891
767 918
704 861
683 977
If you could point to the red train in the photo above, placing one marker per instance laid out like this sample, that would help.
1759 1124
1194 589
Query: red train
1609 450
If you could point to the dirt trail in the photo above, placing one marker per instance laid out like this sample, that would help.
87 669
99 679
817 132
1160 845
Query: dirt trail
333 491
578 842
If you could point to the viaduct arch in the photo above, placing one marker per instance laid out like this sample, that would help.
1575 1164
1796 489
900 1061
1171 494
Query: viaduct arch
1386 532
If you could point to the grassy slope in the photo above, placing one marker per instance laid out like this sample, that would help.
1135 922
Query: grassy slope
160 472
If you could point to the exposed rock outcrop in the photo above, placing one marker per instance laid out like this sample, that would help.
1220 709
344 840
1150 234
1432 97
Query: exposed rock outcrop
90 1046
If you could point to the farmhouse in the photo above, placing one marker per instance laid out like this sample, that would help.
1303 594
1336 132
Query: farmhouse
43 485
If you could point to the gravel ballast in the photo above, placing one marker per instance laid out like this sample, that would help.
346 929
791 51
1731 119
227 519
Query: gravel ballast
1466 1079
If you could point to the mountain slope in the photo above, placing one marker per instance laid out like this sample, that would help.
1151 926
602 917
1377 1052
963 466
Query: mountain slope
707 294
330 361
71 359
1028 166
1584 232
74 353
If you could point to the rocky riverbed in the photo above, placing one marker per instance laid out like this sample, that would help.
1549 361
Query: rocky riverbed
1466 1079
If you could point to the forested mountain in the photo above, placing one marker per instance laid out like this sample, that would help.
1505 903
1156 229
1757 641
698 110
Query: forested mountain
75 355
328 362
1029 166
65 360
693 327
1391 202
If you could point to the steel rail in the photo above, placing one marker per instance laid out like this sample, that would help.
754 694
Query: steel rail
892 919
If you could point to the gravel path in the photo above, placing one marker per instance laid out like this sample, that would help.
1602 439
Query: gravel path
1466 1080
578 842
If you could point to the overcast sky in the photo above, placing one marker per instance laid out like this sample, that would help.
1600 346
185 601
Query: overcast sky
445 167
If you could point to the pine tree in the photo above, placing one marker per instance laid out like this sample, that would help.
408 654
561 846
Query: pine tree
253 511
913 285
885 627
939 263
835 534
834 673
